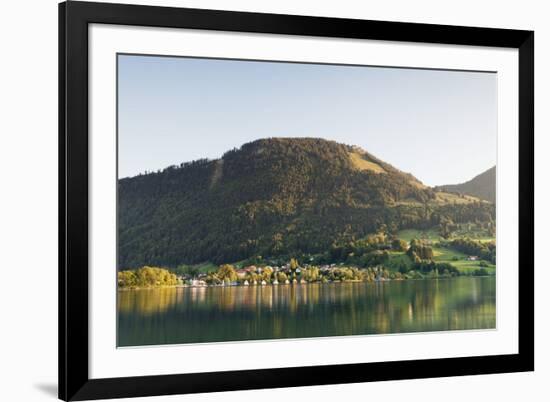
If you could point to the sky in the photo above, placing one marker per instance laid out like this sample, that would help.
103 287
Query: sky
441 126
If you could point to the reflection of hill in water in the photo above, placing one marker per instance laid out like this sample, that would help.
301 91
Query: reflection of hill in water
236 313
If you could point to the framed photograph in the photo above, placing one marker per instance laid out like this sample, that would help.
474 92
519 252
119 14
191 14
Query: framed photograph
257 200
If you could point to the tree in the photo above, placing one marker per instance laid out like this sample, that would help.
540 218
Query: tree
252 277
213 279
226 273
420 250
311 274
481 272
147 277
399 245
403 269
281 277
266 274
126 279
446 227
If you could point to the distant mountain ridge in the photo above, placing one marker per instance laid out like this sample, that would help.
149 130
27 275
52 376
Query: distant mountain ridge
273 197
482 186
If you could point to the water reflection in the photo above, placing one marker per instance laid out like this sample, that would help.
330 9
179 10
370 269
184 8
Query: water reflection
189 315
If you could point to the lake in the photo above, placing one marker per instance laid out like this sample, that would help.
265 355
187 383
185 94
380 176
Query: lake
216 314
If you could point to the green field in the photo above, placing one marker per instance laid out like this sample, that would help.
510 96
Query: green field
459 260
441 254
473 233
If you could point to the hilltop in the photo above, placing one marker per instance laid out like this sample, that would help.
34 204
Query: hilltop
482 186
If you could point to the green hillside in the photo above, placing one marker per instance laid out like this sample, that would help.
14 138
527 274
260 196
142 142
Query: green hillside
275 197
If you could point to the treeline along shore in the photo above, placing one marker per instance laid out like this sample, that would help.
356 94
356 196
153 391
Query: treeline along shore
377 257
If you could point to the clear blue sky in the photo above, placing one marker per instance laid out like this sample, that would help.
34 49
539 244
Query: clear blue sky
441 126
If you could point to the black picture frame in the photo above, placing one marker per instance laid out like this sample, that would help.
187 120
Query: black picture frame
74 381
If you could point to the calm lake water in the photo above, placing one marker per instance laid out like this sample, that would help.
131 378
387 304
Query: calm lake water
190 315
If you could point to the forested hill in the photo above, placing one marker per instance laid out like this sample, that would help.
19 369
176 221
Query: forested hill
482 186
277 196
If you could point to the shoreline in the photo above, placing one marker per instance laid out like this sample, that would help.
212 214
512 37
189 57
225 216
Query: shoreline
299 284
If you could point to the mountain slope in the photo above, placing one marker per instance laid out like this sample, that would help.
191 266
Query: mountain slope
482 186
278 196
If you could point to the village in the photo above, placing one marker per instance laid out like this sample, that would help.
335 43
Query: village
414 261
267 275
252 275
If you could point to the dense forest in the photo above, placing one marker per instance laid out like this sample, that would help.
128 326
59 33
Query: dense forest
275 197
482 186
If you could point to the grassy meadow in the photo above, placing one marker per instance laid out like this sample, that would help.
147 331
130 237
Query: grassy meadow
446 254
